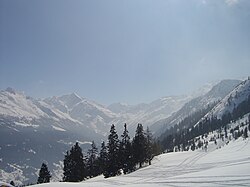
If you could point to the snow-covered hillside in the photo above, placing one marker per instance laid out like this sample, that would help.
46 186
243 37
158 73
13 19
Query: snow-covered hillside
217 93
225 166
232 100
17 104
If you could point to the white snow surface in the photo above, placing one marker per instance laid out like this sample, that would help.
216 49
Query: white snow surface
227 166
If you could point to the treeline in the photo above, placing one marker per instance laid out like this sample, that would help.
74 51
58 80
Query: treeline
183 138
118 156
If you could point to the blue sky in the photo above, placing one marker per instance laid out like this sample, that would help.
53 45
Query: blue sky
128 50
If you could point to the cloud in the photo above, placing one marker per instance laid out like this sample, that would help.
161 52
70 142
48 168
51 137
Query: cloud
231 2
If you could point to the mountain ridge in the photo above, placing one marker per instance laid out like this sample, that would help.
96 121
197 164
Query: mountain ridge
218 92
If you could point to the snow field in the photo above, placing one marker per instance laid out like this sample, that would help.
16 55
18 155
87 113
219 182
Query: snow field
227 166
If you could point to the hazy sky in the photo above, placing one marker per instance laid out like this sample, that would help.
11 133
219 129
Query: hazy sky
122 50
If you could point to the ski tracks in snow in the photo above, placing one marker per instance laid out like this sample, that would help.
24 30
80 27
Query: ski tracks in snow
227 166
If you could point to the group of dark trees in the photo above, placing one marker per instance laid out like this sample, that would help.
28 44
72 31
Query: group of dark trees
183 136
119 155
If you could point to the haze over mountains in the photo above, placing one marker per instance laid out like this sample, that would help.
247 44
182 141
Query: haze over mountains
42 130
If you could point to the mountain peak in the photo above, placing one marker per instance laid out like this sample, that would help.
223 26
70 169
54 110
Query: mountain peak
70 100
75 95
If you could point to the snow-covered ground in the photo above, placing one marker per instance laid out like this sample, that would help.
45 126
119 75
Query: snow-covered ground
227 166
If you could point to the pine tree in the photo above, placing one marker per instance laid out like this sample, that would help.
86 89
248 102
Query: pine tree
103 158
245 135
139 144
44 174
225 130
193 145
112 168
92 161
74 166
126 158
67 167
149 146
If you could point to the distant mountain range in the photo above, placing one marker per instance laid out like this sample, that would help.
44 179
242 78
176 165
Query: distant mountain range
33 130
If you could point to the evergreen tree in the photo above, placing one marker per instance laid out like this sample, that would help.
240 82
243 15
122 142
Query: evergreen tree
67 167
92 165
103 158
245 135
193 145
74 166
112 168
44 174
225 130
139 144
126 158
149 146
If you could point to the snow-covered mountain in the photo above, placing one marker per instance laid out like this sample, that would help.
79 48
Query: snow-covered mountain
42 130
99 117
31 132
217 93
148 114
90 113
231 101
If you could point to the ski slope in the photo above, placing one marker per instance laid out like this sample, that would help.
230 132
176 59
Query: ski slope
225 166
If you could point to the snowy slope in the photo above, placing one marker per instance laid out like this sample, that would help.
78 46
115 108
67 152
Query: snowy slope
227 166
17 104
232 100
217 93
